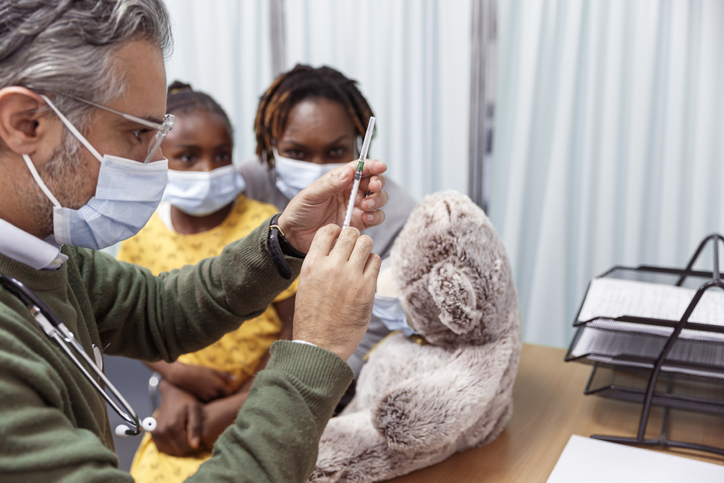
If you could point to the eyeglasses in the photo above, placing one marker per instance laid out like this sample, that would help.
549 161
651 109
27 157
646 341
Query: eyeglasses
162 129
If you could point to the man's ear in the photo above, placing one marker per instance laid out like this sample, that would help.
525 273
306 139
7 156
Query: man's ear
23 122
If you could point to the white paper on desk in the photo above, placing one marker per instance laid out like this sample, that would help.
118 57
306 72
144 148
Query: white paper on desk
593 461
610 297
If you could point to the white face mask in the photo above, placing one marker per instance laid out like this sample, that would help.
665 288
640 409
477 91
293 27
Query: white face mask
389 310
127 194
200 193
294 175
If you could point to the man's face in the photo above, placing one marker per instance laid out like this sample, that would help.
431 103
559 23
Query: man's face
140 65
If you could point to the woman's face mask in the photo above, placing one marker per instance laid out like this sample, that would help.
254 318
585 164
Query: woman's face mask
200 193
293 175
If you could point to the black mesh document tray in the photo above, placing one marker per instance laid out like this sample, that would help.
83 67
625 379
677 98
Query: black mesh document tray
649 356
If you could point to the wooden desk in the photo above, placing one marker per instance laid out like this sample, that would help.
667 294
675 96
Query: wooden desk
549 408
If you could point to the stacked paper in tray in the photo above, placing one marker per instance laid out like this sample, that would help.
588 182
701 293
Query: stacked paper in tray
605 339
611 297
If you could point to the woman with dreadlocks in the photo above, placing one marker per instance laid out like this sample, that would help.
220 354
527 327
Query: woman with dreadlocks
310 121
203 211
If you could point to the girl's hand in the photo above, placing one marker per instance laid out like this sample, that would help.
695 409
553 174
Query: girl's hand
180 422
220 414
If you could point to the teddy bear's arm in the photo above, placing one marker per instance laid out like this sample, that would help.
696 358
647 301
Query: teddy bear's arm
427 414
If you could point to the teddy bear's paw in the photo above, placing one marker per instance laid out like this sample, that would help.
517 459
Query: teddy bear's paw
325 475
334 474
410 423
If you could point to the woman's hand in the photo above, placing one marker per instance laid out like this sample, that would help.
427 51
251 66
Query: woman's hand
325 201
180 422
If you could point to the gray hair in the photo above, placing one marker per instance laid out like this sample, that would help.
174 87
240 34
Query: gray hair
66 46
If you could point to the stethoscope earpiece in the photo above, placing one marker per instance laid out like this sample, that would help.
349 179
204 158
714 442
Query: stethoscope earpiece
122 430
149 424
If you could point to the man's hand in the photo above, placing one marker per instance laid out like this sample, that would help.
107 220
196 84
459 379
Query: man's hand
179 422
205 383
336 290
325 201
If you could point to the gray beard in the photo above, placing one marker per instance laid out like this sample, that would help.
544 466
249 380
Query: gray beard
64 178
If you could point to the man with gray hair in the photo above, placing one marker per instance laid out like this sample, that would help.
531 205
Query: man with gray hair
82 115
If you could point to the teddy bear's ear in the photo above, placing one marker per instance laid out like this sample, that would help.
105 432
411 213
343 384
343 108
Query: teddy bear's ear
454 295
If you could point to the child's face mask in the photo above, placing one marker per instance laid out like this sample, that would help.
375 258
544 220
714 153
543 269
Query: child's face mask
200 193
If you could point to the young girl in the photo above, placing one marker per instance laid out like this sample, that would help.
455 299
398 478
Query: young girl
308 121
203 211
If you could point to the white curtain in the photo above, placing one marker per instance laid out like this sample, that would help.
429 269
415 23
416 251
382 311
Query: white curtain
412 61
223 47
609 143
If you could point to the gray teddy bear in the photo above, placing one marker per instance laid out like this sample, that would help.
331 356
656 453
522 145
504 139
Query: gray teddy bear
447 387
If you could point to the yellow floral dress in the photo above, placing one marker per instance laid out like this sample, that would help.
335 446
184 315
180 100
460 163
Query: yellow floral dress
161 249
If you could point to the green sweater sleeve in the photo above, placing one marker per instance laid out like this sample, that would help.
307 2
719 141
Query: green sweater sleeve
48 431
276 435
145 317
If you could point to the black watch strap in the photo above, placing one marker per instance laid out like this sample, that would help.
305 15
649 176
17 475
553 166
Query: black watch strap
278 247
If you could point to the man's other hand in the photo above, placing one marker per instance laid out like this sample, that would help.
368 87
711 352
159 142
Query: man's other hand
325 201
336 290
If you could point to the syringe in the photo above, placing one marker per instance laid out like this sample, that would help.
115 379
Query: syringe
358 174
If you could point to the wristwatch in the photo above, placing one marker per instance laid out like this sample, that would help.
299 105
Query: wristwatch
279 246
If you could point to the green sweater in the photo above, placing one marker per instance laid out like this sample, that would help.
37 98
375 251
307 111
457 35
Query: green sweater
54 425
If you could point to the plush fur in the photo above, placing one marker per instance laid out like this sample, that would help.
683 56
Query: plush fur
416 404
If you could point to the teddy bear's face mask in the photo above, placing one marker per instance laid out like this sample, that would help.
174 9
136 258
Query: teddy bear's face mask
388 310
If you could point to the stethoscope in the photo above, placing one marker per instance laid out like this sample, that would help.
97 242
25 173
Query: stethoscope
56 330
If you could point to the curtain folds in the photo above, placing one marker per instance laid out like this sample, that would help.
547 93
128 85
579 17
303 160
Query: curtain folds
608 144
223 47
412 61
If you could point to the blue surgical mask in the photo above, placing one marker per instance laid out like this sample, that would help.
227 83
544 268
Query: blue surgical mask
127 194
389 311
294 175
200 193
